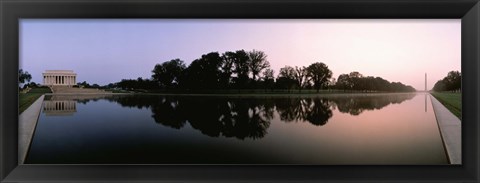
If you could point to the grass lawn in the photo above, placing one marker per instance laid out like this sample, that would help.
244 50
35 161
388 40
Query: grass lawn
452 101
27 99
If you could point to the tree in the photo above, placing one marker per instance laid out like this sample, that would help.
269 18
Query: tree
453 81
300 76
439 86
355 80
343 82
84 84
319 74
227 68
241 68
95 85
332 83
168 73
257 61
381 84
24 76
110 85
268 78
286 78
204 73
134 84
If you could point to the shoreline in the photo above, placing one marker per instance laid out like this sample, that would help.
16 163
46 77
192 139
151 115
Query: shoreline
27 122
450 130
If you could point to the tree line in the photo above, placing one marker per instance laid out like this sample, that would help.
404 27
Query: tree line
251 70
451 82
245 70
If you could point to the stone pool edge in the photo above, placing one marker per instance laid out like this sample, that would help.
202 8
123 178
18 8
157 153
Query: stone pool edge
451 131
27 121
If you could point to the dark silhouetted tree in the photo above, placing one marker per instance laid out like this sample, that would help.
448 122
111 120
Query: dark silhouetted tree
227 69
343 82
319 75
257 61
268 79
24 76
168 73
286 78
84 84
241 68
300 76
355 80
204 73
453 80
358 82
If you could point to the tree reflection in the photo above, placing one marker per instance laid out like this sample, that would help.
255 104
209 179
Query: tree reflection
213 116
314 110
355 105
168 112
249 117
318 111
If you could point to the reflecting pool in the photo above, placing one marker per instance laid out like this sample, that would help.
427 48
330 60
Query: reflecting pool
167 129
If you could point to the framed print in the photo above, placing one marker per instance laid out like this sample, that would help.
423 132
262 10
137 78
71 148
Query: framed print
239 91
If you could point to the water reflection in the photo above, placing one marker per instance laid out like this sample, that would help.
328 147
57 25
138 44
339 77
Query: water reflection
425 95
213 116
240 117
59 107
146 129
66 105
358 104
314 110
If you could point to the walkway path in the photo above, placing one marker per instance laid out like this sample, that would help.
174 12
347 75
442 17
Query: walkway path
451 130
26 126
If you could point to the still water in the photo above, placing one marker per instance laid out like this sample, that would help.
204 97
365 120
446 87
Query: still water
160 129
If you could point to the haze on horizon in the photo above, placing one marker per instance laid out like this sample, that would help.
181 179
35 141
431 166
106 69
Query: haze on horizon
105 51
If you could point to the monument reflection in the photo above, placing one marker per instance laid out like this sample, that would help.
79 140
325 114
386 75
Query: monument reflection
66 105
59 107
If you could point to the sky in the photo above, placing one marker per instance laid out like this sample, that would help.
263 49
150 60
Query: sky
105 51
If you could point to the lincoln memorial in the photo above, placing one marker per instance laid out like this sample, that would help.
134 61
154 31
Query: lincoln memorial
59 78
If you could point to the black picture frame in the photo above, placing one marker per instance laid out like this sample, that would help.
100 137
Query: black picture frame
13 10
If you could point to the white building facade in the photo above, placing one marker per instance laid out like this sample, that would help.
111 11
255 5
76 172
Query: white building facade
59 78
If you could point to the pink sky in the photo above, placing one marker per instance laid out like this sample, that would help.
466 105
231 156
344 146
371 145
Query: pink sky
396 50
